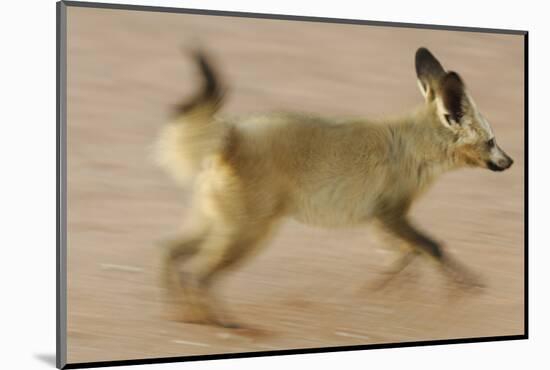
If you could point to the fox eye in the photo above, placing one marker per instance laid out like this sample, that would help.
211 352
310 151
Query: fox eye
491 143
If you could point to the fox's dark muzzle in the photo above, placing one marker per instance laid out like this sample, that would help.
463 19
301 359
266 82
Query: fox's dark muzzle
501 165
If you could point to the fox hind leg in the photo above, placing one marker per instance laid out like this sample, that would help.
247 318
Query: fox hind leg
221 251
175 252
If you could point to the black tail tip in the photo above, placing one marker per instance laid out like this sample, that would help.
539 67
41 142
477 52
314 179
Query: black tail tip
211 90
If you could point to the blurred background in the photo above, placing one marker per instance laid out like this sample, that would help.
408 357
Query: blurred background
309 288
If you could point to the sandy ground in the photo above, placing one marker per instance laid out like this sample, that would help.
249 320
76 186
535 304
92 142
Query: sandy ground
307 288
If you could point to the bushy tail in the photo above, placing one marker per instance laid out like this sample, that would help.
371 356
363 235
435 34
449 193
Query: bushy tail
194 134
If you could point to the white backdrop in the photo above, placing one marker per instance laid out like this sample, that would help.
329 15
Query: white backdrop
27 161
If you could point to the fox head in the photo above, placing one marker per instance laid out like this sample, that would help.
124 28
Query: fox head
474 143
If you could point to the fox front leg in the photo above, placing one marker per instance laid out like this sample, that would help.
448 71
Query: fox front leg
421 243
406 255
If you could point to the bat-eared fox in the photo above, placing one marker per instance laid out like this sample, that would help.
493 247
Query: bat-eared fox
248 173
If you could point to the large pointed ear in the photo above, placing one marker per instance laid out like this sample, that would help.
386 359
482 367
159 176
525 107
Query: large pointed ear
429 71
453 98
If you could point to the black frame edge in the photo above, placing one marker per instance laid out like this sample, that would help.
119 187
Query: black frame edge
287 17
162 360
526 181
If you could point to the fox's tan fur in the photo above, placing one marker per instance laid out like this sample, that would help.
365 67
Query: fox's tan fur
250 172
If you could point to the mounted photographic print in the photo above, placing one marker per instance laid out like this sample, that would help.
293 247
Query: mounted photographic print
237 185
